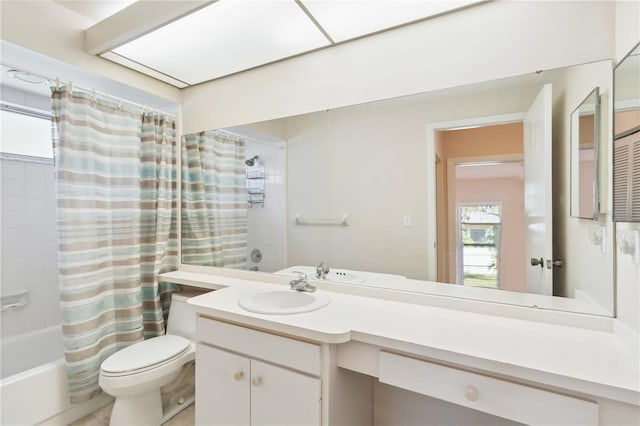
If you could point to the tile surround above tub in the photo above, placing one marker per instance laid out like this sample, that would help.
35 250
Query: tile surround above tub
29 243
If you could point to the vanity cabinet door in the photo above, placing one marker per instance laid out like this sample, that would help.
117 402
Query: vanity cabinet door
222 387
283 397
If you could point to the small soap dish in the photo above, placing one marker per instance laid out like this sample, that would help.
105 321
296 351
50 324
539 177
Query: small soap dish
14 300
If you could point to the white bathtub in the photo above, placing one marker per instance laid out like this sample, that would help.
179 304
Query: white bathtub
23 352
33 370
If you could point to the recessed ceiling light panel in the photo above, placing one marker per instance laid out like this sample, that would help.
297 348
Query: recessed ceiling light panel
345 20
224 38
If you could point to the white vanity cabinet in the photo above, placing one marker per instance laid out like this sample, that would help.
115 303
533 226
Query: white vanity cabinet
238 383
363 361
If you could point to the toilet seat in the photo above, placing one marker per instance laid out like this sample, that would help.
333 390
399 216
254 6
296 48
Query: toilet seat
144 356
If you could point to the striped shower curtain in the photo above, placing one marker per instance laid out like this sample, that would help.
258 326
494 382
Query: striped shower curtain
214 200
115 191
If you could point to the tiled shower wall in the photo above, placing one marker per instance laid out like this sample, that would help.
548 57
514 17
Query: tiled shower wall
29 247
266 225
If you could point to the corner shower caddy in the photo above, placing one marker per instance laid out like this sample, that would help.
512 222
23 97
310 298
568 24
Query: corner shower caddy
255 185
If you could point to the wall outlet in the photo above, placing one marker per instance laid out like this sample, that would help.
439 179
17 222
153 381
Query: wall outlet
406 220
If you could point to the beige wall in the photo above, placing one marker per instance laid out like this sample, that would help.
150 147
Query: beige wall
503 139
625 120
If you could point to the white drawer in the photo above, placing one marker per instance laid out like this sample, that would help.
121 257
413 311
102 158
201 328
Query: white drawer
498 397
291 353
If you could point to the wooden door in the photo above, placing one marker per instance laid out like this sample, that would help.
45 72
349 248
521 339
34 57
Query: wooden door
537 195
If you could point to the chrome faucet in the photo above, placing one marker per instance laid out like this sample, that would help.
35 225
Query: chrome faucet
301 284
321 271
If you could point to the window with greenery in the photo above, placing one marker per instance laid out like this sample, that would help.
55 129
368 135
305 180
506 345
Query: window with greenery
479 246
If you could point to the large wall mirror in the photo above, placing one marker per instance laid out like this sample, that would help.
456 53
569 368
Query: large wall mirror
626 139
425 193
585 149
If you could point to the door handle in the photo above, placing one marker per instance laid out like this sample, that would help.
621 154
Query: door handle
537 262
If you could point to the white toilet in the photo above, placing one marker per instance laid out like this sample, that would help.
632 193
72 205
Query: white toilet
135 374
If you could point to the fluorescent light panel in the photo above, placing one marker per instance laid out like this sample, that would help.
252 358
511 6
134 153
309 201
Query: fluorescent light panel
230 36
345 20
114 57
224 38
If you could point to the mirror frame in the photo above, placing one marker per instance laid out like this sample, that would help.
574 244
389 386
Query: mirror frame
614 216
575 158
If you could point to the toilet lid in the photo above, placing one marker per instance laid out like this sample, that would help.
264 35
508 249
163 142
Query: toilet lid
145 354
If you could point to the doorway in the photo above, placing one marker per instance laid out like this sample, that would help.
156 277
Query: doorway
480 220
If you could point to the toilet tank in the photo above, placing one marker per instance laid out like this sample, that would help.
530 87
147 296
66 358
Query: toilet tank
182 316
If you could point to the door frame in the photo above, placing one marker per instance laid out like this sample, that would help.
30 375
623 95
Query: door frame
432 128
452 206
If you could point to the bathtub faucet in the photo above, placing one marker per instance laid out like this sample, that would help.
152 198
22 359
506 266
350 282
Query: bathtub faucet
321 271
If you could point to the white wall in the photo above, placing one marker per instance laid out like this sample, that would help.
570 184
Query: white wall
489 41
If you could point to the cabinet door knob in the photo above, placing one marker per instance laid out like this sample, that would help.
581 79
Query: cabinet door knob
238 375
471 393
256 381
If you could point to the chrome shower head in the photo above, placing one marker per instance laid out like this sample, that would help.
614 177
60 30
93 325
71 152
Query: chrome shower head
251 161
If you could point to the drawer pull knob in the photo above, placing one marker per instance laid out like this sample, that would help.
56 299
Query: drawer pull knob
238 375
471 393
256 381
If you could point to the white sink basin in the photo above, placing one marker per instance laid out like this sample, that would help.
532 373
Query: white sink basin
280 302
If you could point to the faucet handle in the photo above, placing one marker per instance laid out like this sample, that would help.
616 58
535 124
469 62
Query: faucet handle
322 271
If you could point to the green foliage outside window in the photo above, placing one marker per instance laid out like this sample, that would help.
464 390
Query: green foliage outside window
480 237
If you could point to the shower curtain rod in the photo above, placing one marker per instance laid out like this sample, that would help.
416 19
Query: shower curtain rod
236 135
95 93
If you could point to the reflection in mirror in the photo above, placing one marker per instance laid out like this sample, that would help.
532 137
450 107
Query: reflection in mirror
372 163
626 139
585 135
233 200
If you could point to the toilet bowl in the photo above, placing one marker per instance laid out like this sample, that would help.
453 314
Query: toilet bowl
136 374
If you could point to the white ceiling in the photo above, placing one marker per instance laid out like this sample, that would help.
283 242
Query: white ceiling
230 36
96 10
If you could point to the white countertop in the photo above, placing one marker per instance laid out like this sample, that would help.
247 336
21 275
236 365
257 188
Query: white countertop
579 359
